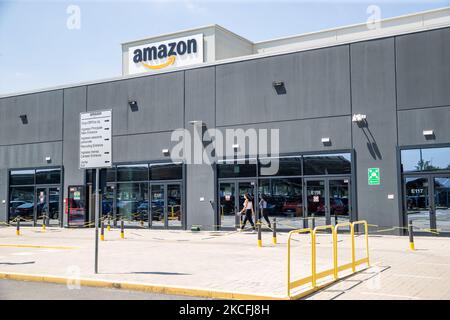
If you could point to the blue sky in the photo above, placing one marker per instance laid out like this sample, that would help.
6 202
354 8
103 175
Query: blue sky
37 50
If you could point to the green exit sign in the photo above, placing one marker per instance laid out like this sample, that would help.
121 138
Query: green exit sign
373 176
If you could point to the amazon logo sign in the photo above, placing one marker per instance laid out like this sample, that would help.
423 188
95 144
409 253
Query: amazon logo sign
166 54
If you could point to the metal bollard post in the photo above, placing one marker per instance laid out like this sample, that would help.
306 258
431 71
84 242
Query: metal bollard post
43 224
274 235
122 232
259 234
313 221
411 235
108 227
102 231
18 226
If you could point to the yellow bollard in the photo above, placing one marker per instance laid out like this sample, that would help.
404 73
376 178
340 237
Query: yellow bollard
102 232
108 227
122 231
259 234
18 227
411 236
274 235
352 235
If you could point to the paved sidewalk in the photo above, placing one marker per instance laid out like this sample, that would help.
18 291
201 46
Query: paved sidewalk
225 261
397 273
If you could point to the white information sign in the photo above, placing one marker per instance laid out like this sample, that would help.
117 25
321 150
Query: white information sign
95 139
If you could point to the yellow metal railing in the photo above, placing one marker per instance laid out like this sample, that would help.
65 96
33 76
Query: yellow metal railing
315 276
333 271
298 283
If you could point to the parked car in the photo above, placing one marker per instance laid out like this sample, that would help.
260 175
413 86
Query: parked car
142 211
336 207
293 207
25 210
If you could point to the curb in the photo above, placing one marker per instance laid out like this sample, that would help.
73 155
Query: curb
162 289
136 286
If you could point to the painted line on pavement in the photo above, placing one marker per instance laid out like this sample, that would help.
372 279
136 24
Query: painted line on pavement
390 295
416 276
32 246
434 264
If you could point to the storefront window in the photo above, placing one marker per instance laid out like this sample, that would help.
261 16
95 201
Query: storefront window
35 194
48 176
237 169
172 171
137 172
132 201
110 175
21 203
288 166
21 177
327 164
429 159
283 200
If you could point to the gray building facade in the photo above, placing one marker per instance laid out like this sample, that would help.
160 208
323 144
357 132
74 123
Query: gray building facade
401 83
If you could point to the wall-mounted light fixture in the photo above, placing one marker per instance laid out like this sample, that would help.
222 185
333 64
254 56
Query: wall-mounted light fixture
359 118
428 134
235 147
48 159
133 105
165 152
326 141
24 118
279 87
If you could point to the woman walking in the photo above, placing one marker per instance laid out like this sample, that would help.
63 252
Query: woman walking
248 211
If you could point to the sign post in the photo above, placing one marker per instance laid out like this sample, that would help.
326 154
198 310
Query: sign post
96 153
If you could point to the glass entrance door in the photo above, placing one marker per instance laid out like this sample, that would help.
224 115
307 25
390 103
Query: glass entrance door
340 202
316 203
417 201
47 206
231 201
158 205
243 188
328 200
166 209
227 205
427 202
41 211
441 206
108 197
174 216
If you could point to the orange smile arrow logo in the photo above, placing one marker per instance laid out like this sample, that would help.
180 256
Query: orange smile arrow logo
170 61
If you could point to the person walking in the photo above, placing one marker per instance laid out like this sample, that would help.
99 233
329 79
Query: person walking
248 211
263 211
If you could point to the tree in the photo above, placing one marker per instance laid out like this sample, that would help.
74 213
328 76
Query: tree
425 165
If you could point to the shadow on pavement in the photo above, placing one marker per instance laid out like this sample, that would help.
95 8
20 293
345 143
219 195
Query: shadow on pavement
16 263
154 272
